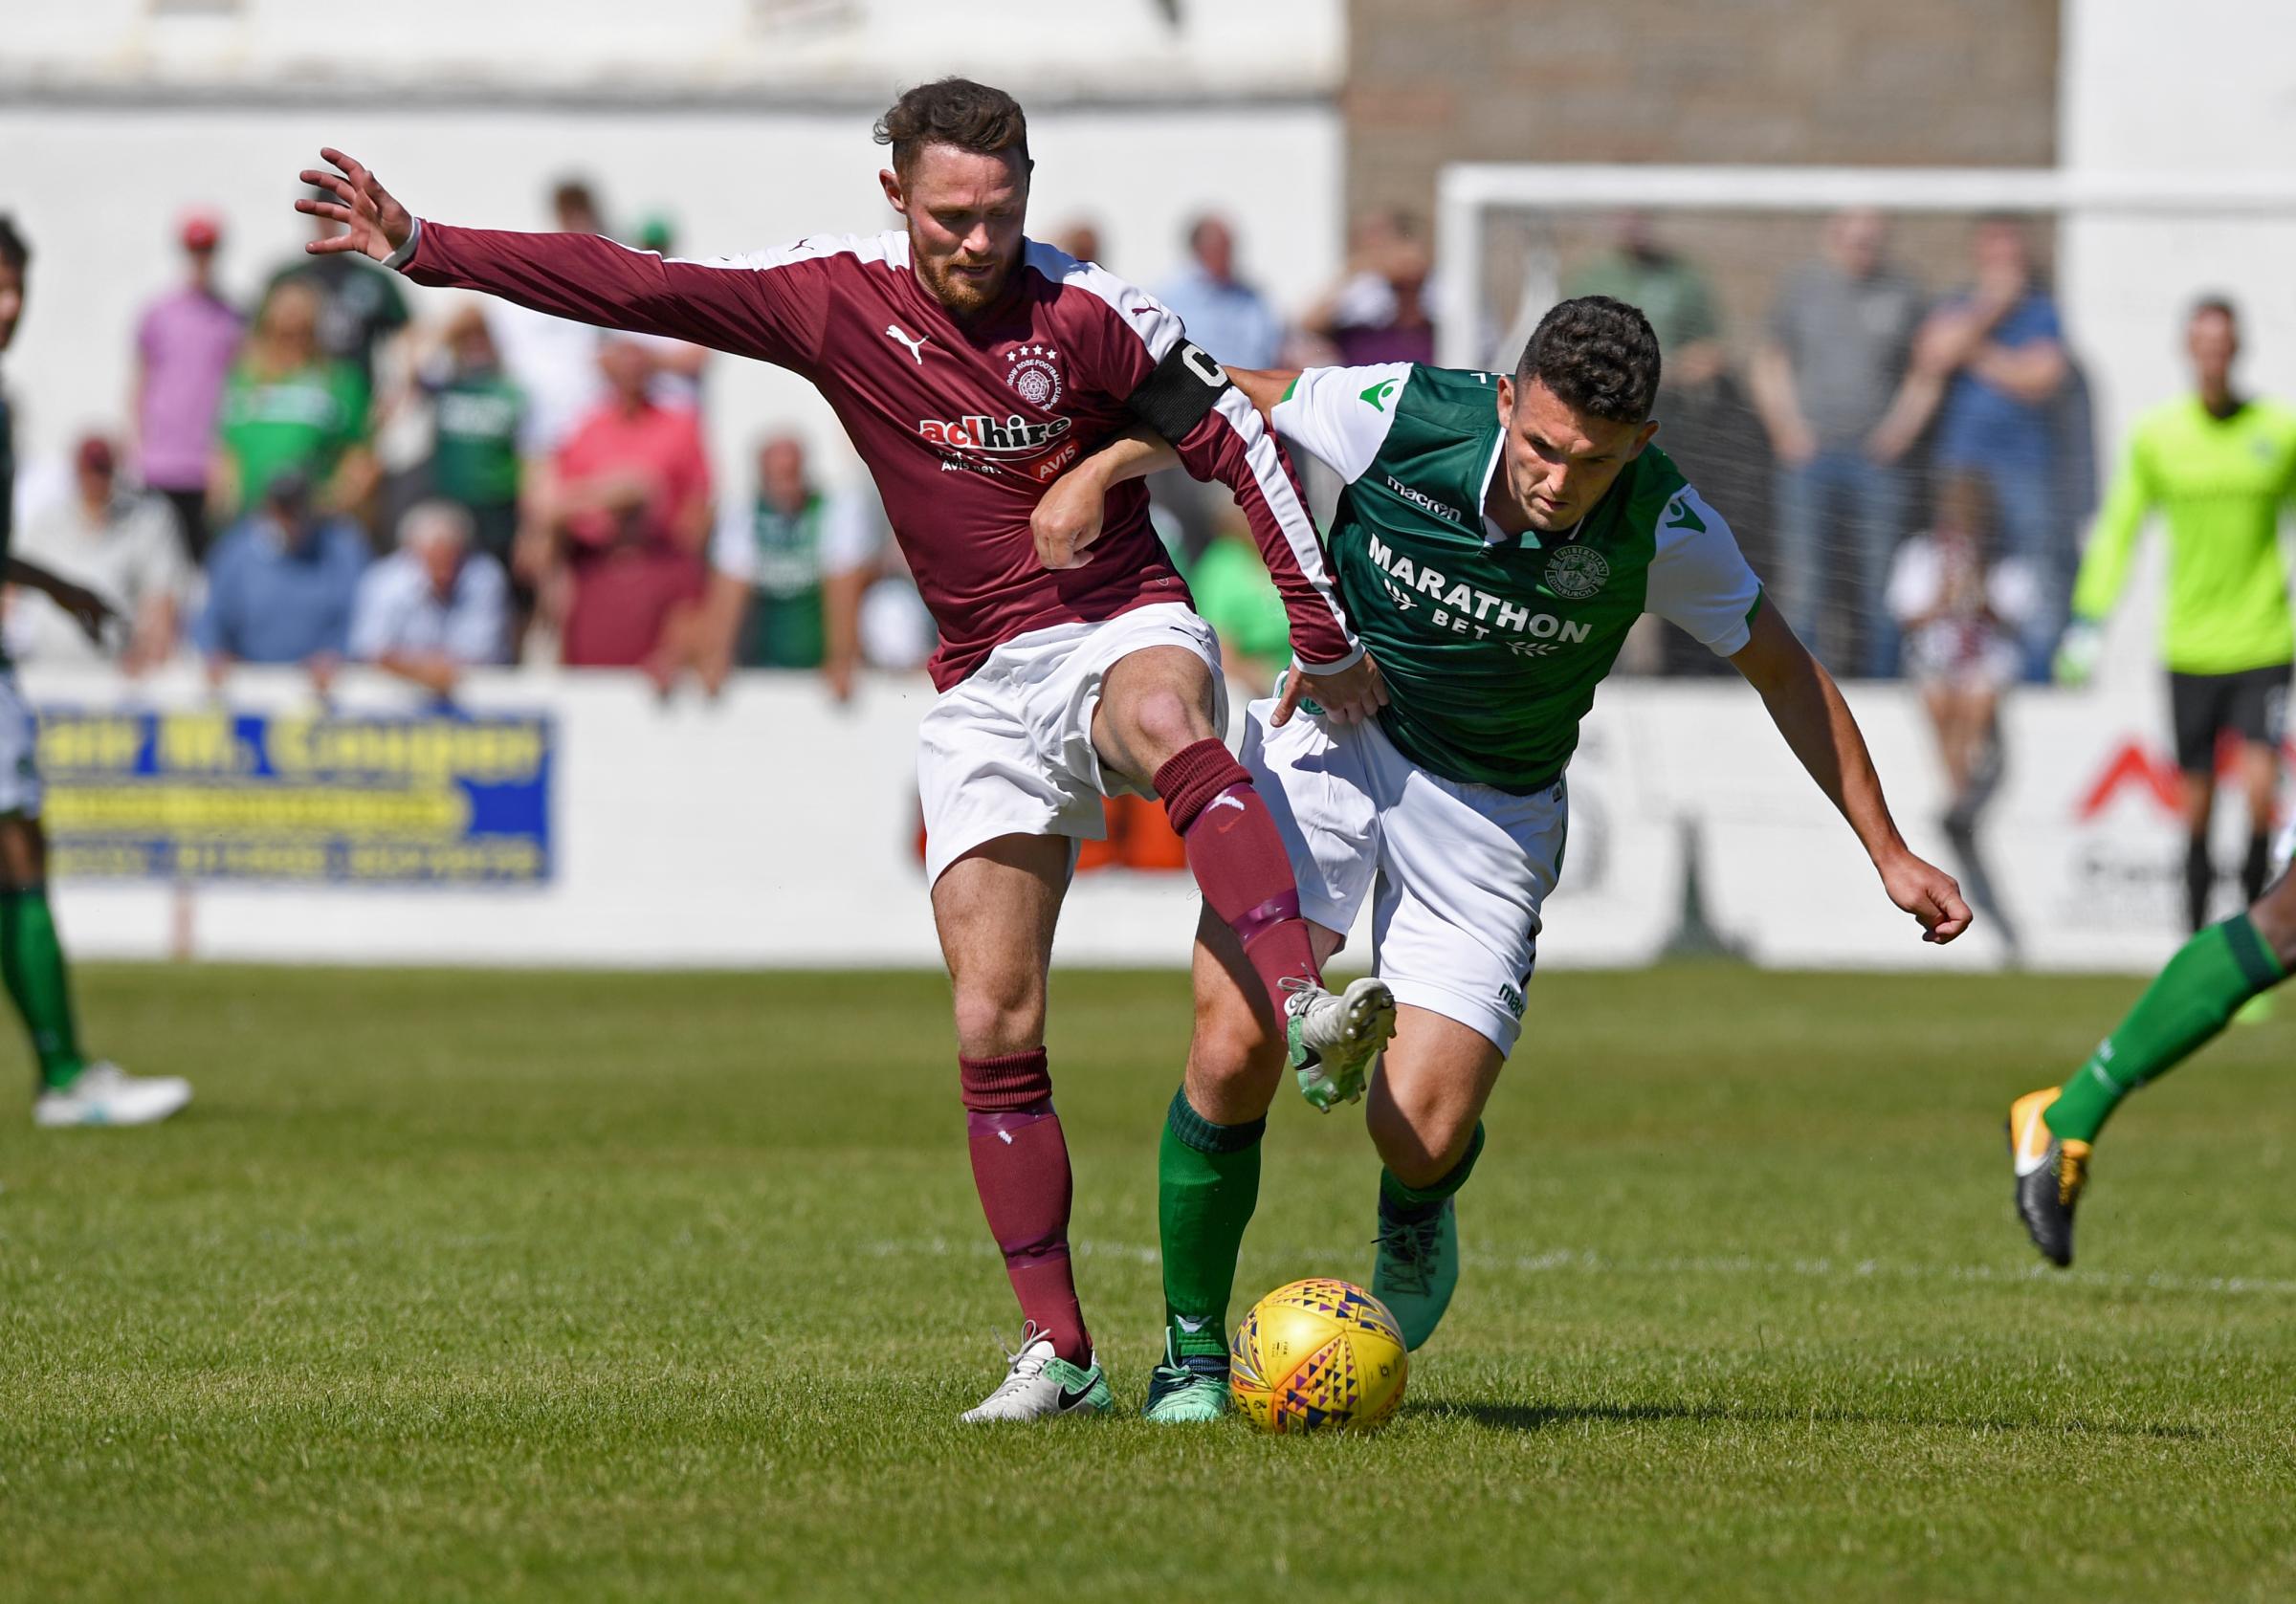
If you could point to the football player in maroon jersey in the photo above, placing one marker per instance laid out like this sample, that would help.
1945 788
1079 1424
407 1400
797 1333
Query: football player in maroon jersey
970 365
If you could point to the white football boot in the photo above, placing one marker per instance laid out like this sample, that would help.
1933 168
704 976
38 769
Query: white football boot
106 1094
1040 1386
1333 1040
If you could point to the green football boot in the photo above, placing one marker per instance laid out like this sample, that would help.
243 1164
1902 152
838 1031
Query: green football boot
1186 1390
1333 1039
1418 1267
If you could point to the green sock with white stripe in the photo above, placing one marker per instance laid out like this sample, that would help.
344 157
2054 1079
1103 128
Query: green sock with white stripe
2187 1004
1207 1184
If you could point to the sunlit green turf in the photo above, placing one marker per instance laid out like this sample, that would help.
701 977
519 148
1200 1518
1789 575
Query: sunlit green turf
517 1286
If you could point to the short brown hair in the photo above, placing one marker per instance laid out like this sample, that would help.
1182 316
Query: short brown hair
954 112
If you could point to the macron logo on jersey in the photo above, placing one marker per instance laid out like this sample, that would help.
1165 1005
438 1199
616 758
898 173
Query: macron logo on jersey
1421 500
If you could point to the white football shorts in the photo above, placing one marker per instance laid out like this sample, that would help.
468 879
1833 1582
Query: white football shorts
1457 873
20 752
1009 751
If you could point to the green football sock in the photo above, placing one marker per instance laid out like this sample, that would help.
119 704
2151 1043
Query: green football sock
32 963
1207 1182
1416 1202
2187 1002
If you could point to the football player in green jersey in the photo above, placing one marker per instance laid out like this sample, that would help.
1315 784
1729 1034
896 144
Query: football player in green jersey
73 1089
1499 536
2221 467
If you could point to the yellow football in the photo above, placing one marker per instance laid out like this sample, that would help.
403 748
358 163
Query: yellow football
1318 1356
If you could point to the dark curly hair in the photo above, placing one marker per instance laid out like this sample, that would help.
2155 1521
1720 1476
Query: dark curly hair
1598 354
13 251
956 111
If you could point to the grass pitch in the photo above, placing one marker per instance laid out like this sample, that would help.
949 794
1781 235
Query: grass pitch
509 1286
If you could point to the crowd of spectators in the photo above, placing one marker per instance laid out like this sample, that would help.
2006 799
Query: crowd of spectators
1873 395
319 477
316 477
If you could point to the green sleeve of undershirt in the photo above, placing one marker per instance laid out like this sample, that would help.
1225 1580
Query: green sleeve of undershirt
2112 541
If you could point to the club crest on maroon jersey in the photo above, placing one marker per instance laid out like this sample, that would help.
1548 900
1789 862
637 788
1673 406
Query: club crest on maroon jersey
1031 372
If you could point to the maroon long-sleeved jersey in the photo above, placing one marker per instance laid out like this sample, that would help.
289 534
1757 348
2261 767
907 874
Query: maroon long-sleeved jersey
961 425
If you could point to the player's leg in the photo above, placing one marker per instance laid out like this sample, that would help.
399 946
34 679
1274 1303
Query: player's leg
2195 711
995 910
73 1089
2052 1131
2259 784
2260 715
1155 725
1425 1116
1208 1172
1464 873
1208 1163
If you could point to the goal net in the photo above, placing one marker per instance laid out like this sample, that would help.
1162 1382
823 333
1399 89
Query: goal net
1791 302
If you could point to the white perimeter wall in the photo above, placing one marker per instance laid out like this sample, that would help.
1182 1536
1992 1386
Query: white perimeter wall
98 189
2201 92
772 828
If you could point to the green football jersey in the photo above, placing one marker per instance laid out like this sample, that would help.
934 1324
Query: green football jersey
2222 483
474 459
1492 644
302 422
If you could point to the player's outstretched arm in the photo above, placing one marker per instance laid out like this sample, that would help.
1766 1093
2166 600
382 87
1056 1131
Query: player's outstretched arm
745 306
1806 706
378 226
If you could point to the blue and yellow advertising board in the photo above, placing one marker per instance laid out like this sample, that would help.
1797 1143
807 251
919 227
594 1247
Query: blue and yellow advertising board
210 794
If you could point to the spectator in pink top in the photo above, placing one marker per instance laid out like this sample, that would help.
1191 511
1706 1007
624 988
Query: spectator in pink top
184 344
628 512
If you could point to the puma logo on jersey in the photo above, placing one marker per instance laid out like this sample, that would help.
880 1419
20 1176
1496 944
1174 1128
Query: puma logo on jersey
916 343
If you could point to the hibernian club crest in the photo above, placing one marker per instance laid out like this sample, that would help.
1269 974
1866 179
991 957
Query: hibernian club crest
1576 572
1031 371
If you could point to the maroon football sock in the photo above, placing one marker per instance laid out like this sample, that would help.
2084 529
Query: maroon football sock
1238 858
1020 1169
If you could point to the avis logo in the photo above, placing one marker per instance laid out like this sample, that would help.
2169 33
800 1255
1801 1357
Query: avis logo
2153 775
1049 470
1013 436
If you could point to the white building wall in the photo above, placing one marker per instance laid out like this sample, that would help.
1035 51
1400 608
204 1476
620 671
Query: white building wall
1125 48
748 122
101 212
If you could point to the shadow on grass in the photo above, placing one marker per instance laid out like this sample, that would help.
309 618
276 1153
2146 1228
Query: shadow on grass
1535 1417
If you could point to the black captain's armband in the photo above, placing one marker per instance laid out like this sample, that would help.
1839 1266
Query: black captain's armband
1186 386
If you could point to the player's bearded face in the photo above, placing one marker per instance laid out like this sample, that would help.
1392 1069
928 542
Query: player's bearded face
965 213
1559 460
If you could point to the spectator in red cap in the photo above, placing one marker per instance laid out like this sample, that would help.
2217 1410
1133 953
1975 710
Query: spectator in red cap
184 344
120 544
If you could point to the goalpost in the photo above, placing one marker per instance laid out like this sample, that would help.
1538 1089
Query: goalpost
2123 253
1471 195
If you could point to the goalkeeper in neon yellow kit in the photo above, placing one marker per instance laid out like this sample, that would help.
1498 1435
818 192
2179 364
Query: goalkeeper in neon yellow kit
2219 467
